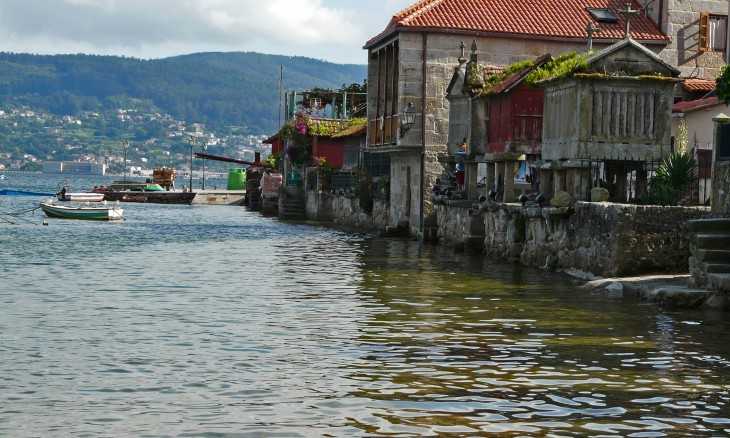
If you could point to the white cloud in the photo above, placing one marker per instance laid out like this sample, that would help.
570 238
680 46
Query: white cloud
329 29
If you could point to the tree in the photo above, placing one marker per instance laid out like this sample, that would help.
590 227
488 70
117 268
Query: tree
723 84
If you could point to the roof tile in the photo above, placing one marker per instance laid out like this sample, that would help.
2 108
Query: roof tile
699 85
534 19
694 105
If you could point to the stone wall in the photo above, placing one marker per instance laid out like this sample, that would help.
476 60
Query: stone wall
318 205
604 239
721 188
459 226
405 191
347 213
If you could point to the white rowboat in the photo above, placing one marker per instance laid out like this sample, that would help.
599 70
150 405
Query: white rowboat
104 213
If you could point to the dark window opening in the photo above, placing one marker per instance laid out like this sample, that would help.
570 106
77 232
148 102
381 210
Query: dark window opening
603 15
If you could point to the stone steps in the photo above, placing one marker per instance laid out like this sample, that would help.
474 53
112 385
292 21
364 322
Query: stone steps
720 282
710 226
717 268
292 209
712 255
710 262
712 241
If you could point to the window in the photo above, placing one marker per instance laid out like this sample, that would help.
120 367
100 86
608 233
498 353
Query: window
713 33
384 117
603 15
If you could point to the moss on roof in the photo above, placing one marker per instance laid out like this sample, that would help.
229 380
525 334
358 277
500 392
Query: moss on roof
319 127
563 66
354 127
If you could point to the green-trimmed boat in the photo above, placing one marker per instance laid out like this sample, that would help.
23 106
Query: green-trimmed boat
105 213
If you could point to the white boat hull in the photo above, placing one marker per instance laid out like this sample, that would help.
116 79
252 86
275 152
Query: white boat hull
81 197
82 213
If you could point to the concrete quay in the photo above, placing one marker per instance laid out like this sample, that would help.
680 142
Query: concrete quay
219 197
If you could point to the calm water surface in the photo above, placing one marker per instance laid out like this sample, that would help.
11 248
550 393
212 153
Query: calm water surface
213 321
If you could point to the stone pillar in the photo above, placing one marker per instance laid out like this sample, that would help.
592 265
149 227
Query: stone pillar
509 182
489 177
499 180
546 183
721 166
471 170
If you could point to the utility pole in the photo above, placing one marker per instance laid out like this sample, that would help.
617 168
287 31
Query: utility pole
205 162
125 145
190 185
281 89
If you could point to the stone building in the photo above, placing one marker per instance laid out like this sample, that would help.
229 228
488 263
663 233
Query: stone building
614 113
499 117
698 30
411 64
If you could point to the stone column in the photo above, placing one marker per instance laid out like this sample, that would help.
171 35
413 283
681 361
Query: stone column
489 177
721 166
499 180
471 170
546 183
509 182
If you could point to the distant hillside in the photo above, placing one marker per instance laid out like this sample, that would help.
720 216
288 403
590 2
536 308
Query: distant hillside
218 89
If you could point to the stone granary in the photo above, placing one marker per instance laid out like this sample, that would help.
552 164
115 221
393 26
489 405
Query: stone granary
411 62
499 117
514 132
604 119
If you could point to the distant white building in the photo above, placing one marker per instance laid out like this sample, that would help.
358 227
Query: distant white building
74 167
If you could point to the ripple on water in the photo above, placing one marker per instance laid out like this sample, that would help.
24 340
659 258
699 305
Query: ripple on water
197 321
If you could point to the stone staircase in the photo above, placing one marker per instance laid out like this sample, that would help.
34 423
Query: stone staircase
710 260
291 204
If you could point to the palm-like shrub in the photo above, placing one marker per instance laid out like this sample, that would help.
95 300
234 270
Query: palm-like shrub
673 178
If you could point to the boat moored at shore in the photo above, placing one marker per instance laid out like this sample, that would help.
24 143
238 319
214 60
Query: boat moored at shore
143 192
96 213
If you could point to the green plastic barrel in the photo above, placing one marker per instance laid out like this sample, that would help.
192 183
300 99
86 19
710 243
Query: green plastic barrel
237 179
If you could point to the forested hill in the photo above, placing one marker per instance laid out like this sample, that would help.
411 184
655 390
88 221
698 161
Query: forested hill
218 89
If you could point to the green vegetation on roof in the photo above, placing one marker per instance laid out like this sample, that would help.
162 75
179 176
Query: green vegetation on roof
560 67
305 126
494 80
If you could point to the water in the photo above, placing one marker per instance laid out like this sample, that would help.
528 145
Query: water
213 321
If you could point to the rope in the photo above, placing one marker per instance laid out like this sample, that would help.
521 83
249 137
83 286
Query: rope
11 217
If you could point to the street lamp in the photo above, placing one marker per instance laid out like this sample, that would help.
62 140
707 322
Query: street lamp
407 118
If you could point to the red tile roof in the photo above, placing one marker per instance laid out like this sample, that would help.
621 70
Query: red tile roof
535 19
695 105
699 85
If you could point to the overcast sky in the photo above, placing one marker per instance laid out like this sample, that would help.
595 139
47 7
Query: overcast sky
334 30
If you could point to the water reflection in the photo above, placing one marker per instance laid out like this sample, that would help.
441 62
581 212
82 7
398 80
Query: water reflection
519 353
215 322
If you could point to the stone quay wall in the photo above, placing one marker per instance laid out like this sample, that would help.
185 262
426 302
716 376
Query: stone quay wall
346 212
721 181
601 238
318 206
